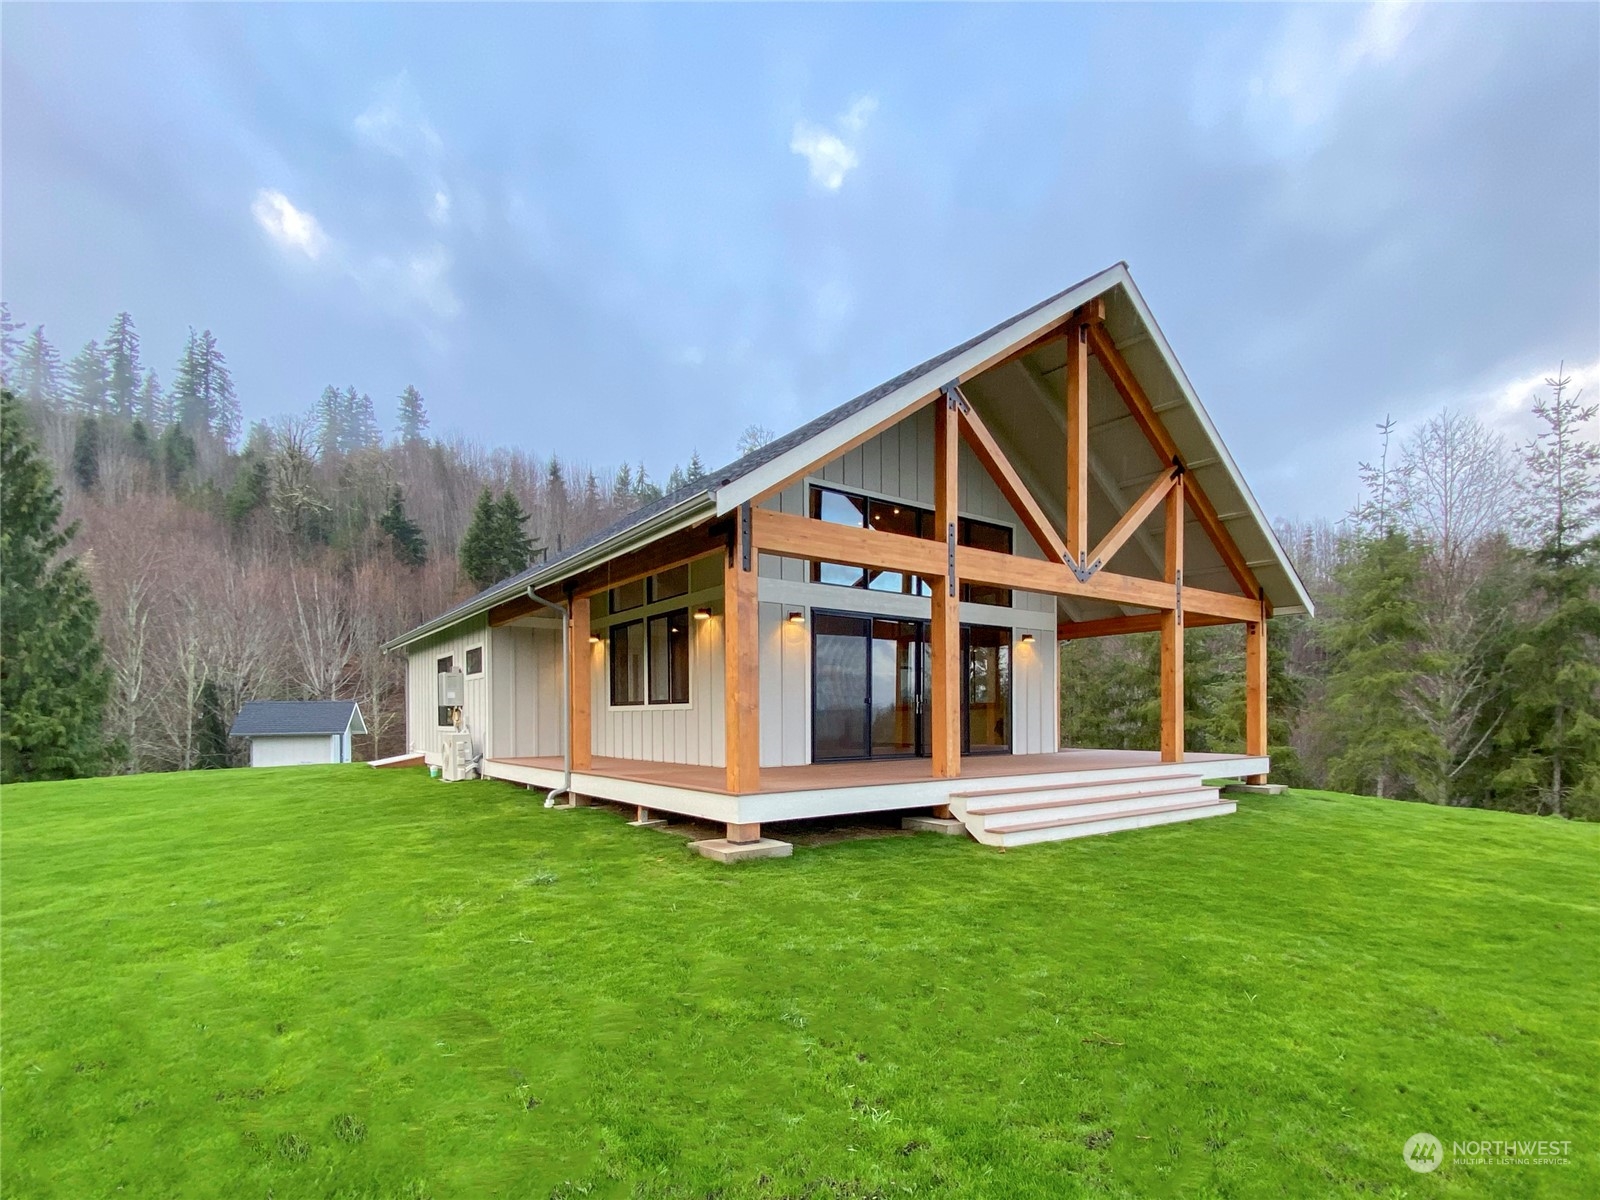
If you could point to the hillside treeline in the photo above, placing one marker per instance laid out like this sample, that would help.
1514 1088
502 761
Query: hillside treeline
273 561
1455 657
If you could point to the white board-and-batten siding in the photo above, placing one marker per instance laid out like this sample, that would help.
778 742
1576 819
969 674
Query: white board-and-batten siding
296 750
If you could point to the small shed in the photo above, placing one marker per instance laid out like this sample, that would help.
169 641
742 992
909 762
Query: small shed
290 733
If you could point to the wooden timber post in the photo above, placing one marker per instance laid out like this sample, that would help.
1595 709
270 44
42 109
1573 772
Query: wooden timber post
580 743
1077 539
1172 632
741 658
945 633
1255 702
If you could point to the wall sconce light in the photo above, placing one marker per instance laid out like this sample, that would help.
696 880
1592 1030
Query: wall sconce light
702 614
797 618
594 639
1027 639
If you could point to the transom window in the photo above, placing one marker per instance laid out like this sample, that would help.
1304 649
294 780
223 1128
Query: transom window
892 516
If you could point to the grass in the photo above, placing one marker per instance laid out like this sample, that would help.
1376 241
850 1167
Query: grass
344 982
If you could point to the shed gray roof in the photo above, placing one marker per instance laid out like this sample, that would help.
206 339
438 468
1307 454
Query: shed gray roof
721 490
286 718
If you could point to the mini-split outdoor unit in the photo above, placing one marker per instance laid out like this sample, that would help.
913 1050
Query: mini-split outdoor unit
459 760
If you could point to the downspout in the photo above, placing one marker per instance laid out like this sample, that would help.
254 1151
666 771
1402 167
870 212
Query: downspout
566 698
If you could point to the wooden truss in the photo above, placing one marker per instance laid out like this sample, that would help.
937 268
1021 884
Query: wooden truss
1071 567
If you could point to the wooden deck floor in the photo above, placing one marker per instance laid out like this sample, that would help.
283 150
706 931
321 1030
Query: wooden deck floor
857 774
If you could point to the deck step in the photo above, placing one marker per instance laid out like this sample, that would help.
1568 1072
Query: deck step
1190 800
1114 778
1114 823
1067 797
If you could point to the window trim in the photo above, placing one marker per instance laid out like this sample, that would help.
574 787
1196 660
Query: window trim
466 661
666 617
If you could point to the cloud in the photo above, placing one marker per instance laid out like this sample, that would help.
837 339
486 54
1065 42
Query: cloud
1507 407
828 151
290 227
1297 86
439 214
396 123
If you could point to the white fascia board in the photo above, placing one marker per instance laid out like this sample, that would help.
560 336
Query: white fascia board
1224 457
820 448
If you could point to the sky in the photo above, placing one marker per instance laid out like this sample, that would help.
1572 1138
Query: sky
625 233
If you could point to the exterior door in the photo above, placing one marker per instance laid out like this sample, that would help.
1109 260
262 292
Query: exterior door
871 677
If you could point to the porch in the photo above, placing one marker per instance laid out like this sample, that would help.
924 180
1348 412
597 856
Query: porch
1002 799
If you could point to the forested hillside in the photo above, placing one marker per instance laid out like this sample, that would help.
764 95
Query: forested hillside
1455 657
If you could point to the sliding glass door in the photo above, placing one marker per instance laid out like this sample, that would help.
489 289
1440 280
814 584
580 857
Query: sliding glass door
870 677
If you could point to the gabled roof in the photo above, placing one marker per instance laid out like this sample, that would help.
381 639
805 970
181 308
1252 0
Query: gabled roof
721 491
285 718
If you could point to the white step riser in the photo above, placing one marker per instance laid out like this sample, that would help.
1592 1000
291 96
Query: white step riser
1053 798
1109 825
1104 808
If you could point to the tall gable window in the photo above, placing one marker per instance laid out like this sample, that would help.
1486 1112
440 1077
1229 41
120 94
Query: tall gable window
891 516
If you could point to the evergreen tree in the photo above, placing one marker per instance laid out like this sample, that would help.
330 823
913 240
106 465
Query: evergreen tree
410 547
413 416
622 486
88 380
38 371
361 423
203 398
86 454
696 469
328 418
210 729
644 490
251 490
1551 733
53 684
1373 638
480 558
151 403
10 344
178 456
122 360
675 480
515 546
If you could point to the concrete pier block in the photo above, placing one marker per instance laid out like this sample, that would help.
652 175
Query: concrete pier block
723 851
945 825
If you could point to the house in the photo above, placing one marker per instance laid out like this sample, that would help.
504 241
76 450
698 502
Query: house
864 615
291 733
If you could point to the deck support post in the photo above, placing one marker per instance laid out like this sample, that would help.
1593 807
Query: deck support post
945 630
741 693
1077 539
580 744
1255 703
1172 632
742 834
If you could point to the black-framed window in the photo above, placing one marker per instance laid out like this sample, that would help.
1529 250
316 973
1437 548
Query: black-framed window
475 660
670 584
984 535
443 667
889 516
627 663
669 657
627 595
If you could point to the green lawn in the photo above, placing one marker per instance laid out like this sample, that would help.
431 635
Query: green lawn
344 982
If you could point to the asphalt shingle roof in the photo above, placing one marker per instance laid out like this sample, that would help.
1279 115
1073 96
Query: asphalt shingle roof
268 718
